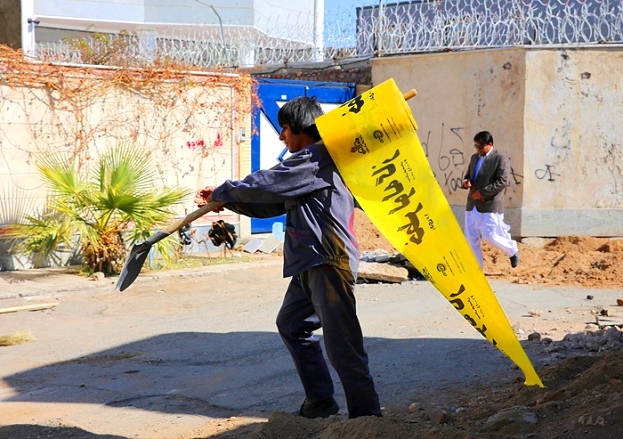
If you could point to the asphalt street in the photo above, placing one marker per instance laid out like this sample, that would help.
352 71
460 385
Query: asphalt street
180 349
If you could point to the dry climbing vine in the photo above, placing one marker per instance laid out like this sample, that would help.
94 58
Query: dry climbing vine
188 119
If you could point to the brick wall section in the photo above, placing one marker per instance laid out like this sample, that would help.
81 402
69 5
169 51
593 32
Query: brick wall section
359 72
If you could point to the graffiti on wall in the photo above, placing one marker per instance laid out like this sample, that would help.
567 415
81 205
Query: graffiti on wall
444 150
446 154
547 172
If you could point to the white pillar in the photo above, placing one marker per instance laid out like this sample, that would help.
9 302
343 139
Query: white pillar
381 30
29 22
147 43
318 30
246 55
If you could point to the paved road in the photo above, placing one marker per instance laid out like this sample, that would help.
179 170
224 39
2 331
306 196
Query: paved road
178 350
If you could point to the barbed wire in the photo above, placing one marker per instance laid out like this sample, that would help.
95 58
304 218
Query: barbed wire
383 29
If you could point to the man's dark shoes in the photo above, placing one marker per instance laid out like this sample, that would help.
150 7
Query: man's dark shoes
321 409
514 260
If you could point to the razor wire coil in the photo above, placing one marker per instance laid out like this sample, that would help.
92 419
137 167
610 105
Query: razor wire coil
355 32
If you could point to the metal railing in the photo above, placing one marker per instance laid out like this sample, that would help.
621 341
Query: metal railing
382 29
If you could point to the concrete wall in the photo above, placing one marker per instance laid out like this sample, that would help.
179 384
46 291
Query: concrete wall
191 126
554 112
573 173
29 128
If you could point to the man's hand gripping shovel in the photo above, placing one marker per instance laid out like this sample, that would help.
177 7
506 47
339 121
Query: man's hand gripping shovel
138 254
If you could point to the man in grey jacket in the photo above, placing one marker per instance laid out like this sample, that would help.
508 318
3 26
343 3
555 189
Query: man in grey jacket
320 254
487 177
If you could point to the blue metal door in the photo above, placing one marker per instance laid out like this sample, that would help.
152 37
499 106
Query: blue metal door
266 148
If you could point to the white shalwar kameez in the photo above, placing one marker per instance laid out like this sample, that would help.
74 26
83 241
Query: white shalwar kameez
490 227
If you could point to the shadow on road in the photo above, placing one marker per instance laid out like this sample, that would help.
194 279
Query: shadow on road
222 375
26 431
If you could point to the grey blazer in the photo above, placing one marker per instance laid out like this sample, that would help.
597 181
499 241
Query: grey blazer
492 180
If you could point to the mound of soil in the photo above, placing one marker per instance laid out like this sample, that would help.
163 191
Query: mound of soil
583 398
583 373
584 386
566 260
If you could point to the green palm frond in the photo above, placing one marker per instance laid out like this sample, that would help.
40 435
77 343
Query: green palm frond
42 237
121 197
126 179
61 178
126 170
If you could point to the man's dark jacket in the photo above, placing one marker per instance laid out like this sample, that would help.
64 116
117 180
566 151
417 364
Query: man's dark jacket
492 179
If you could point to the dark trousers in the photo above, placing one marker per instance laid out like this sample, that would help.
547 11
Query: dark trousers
323 297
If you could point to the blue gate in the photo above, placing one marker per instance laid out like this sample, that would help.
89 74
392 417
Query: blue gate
266 148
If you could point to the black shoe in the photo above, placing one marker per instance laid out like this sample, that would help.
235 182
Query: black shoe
514 260
321 409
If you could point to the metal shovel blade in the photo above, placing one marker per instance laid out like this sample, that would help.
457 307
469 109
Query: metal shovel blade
134 261
138 254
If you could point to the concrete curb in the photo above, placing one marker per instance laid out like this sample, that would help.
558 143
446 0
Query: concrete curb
59 280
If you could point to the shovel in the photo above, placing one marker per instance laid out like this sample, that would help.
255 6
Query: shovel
138 254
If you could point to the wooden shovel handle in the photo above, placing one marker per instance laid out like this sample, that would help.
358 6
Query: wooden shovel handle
410 94
192 216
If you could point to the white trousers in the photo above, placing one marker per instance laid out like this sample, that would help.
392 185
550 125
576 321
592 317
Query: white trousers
490 227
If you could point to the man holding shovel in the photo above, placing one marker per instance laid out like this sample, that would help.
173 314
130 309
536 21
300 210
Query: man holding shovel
320 255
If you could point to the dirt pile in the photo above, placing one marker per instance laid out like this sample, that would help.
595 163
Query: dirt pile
583 373
566 260
583 398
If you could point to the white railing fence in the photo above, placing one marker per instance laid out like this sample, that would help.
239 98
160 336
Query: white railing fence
353 32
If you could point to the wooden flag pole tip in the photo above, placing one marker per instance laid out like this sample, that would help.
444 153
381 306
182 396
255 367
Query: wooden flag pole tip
410 94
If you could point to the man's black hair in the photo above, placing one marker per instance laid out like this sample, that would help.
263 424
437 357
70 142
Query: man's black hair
484 138
300 115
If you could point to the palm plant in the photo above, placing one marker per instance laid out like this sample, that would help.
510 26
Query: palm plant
120 203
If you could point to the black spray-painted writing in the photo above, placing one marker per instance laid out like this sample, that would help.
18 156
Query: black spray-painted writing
450 160
400 197
360 146
459 305
516 176
547 172
355 104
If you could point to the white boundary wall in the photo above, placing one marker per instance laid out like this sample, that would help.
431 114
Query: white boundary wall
556 112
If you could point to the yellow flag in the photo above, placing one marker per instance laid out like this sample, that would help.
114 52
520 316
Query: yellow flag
373 141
